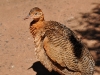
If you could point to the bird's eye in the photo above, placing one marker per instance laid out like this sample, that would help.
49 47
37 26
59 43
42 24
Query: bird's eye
35 13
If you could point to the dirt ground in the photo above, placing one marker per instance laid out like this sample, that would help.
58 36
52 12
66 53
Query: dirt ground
16 42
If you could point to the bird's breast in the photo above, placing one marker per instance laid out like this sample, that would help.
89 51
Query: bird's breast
37 35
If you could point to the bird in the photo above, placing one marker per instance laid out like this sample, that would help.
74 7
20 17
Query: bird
57 47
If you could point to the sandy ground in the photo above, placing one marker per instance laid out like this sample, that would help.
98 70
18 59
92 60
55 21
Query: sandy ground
16 43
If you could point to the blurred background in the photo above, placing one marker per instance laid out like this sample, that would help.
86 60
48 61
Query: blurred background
16 42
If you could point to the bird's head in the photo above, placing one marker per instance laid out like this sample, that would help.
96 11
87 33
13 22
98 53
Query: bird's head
36 14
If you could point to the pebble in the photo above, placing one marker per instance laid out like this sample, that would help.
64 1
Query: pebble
0 24
12 66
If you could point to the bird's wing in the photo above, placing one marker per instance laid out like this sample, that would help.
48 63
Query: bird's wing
60 48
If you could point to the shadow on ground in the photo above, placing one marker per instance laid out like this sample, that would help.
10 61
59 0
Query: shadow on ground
41 70
91 33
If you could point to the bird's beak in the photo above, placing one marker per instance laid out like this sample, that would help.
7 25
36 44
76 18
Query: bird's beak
27 17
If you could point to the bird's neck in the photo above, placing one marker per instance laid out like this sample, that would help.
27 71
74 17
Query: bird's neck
41 18
37 28
34 22
37 20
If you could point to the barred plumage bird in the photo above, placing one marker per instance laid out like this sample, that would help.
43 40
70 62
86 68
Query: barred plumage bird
58 48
